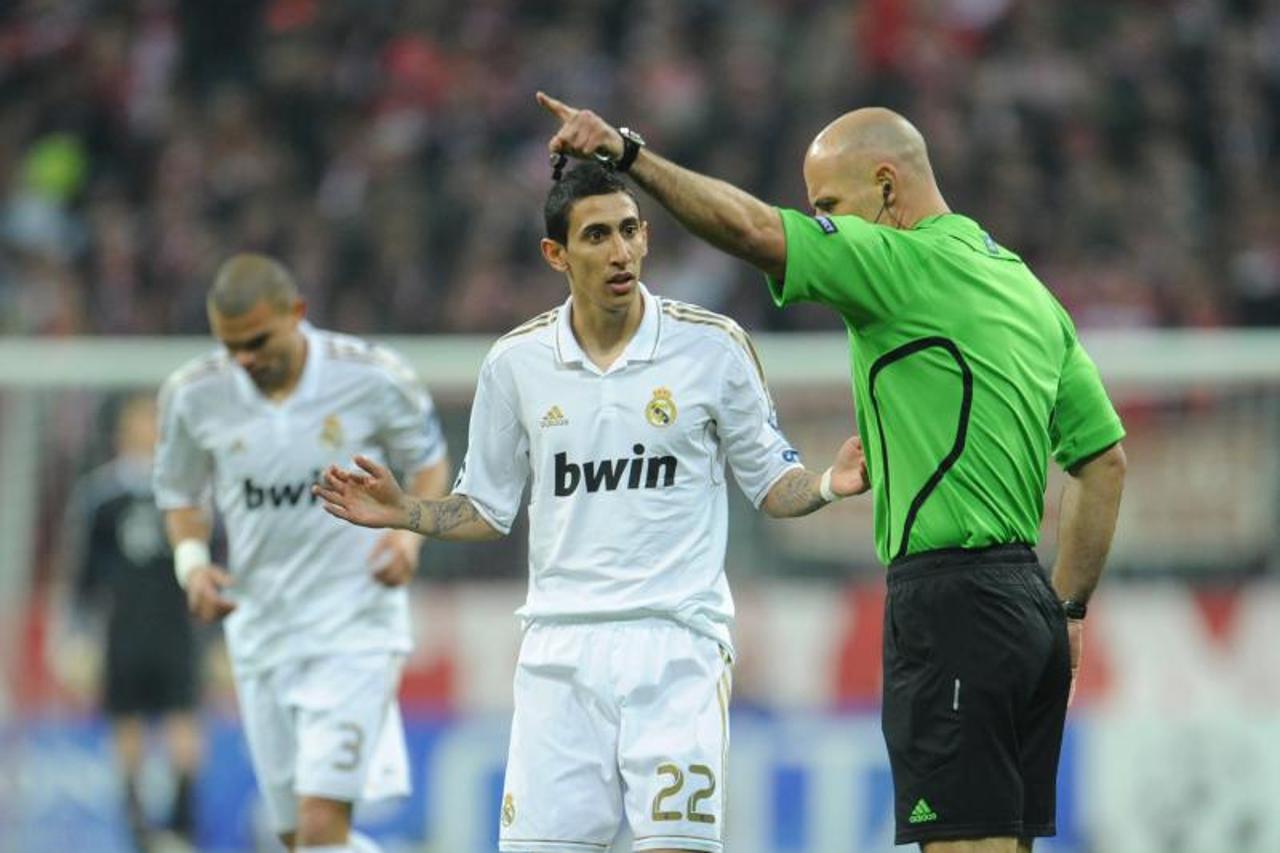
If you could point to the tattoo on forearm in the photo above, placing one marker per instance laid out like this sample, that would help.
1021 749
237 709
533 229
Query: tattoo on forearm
796 494
439 517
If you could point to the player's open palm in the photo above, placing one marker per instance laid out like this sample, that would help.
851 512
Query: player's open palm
370 497
849 473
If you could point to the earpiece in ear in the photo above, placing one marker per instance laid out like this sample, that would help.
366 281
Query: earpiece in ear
885 189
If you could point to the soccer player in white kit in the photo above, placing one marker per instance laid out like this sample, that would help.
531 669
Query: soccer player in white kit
620 410
317 616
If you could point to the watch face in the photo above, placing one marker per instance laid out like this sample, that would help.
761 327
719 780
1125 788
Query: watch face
1074 609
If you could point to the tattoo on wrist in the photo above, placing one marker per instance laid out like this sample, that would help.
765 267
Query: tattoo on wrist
415 516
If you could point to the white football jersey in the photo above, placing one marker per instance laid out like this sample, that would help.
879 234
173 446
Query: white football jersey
303 580
628 510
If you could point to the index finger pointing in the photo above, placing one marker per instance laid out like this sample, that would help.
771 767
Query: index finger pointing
560 110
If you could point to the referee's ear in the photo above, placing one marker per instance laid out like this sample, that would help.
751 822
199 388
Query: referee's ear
554 254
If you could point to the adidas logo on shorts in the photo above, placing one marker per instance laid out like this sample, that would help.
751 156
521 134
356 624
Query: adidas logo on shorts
922 813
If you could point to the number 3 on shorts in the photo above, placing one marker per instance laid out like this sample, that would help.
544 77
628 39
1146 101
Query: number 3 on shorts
350 747
677 782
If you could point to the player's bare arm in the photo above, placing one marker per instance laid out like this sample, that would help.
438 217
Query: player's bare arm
729 218
371 497
452 518
189 528
395 555
800 491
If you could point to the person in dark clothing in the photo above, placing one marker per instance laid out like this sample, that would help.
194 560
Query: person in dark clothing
120 566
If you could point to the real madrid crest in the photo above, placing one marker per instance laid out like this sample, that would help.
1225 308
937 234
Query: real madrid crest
661 411
508 810
331 432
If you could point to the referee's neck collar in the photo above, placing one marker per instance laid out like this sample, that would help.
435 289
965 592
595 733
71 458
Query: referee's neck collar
935 218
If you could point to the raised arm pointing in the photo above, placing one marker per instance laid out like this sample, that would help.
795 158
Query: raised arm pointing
718 212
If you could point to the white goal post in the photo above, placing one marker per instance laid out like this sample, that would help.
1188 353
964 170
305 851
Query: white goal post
1129 360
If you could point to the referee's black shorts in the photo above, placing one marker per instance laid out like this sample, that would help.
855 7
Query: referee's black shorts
976 674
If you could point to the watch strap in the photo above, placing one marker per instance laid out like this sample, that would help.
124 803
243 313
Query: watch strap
631 146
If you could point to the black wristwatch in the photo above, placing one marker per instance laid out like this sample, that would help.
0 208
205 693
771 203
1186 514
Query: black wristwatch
632 142
1074 609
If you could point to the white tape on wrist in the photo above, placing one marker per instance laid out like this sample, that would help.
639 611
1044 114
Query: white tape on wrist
189 555
824 488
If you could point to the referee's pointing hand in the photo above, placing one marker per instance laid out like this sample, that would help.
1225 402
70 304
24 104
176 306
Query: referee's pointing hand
582 134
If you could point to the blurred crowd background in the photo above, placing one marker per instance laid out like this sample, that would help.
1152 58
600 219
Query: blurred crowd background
392 153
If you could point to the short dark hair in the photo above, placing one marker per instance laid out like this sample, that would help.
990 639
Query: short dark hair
246 279
583 180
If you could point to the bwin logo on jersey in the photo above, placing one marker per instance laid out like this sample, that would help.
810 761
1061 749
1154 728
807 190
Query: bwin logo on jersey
651 472
278 495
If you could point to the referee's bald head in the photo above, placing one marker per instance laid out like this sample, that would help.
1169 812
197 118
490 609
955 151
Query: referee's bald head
871 163
246 279
873 132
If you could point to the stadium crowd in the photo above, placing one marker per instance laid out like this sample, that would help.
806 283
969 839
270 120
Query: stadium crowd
391 151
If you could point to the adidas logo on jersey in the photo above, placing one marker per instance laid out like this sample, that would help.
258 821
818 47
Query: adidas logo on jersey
279 494
636 472
554 417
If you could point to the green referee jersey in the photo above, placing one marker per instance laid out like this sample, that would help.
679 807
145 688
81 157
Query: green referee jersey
967 375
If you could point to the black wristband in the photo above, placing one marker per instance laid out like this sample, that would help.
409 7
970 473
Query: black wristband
632 142
1074 609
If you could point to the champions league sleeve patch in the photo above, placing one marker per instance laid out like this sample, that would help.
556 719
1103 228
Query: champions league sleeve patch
824 222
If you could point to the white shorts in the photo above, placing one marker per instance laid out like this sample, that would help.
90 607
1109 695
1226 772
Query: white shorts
610 717
325 727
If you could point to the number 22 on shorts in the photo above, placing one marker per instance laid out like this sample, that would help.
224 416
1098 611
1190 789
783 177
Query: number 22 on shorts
695 799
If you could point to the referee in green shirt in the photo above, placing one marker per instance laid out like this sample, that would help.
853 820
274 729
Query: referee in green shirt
967 377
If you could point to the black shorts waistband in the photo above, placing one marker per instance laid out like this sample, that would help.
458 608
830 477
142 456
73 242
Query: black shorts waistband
946 560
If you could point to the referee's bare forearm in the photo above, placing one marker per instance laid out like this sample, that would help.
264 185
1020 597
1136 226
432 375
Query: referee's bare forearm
726 217
1087 522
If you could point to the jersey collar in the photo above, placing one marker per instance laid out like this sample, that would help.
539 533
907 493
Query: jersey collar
948 218
642 347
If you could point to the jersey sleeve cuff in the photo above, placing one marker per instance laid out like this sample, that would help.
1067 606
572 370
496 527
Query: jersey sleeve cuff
778 286
1093 444
166 501
417 466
